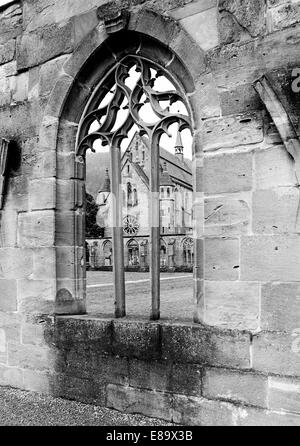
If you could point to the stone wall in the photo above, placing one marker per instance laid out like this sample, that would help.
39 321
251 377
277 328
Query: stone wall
186 374
246 209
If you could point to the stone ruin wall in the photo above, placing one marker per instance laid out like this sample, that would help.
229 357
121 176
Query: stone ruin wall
244 365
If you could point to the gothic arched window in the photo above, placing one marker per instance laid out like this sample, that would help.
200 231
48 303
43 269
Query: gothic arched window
129 195
136 93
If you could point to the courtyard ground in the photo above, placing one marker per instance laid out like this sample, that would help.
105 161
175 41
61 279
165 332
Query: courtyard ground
20 408
176 294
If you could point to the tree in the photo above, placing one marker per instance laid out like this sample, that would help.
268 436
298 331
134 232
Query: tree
92 230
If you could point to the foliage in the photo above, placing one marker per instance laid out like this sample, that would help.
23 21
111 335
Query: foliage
92 230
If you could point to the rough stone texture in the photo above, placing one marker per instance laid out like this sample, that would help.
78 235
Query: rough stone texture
248 14
276 211
195 345
232 386
280 307
221 259
284 394
274 167
233 305
228 173
278 259
201 412
36 229
276 353
227 216
232 131
37 47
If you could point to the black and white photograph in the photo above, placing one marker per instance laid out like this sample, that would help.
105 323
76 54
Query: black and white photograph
149 216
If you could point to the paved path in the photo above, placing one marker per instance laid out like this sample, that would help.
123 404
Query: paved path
20 408
176 295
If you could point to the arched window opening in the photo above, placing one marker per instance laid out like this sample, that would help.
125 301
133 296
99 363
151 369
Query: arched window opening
136 94
163 255
129 195
135 197
188 252
133 253
108 253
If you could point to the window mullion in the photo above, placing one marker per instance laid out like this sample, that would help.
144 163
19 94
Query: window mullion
117 233
154 230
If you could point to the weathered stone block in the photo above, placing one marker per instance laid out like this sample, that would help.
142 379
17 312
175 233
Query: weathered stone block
284 394
8 295
205 102
11 376
186 379
275 210
44 263
36 296
284 15
245 388
36 229
48 134
247 416
233 305
67 136
42 194
280 306
195 344
70 194
113 370
72 330
20 87
154 375
228 173
43 44
36 381
69 229
49 72
130 400
20 120
10 22
32 334
232 131
203 27
73 388
7 51
276 353
15 263
8 228
10 323
250 15
278 259
136 339
227 216
193 411
221 259
30 357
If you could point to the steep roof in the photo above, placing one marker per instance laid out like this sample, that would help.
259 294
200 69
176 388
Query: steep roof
165 179
180 172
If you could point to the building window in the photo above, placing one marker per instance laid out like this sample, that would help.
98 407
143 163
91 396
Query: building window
133 253
129 195
128 96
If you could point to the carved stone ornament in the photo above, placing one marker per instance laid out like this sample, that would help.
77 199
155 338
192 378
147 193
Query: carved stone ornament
105 118
114 20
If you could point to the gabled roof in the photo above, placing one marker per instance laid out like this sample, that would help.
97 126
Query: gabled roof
179 171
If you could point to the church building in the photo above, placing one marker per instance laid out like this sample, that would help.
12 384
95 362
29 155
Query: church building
175 210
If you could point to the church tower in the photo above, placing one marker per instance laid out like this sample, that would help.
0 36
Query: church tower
179 147
167 201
